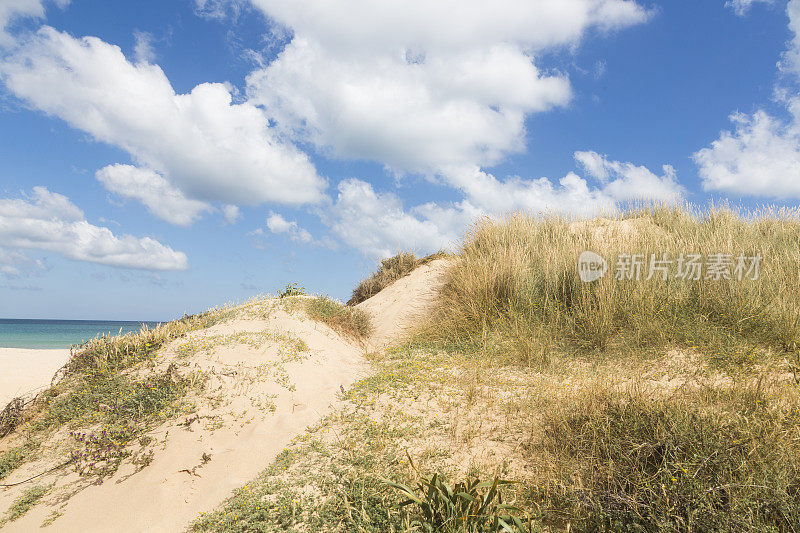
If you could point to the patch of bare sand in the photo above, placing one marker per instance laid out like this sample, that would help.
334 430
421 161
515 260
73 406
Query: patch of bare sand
25 372
400 306
603 230
262 388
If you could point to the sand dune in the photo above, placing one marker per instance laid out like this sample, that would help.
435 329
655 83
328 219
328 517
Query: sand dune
400 306
261 392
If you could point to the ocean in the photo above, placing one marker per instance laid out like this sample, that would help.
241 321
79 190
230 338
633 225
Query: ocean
20 333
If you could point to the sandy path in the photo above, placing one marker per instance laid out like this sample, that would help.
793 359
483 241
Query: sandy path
24 371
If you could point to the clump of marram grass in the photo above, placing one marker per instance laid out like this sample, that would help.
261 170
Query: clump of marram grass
520 275
391 270
347 321
725 462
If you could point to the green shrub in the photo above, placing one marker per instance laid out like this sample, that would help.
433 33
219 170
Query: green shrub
291 289
470 506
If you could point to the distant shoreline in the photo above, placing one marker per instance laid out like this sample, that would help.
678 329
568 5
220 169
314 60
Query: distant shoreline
50 334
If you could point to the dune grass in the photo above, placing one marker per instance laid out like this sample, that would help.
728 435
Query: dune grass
517 279
353 323
729 462
390 270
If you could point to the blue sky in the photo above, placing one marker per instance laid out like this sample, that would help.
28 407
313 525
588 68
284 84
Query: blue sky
160 157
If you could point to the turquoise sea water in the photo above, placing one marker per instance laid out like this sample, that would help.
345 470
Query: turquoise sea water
59 333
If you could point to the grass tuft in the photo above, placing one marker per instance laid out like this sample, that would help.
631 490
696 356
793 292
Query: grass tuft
518 278
347 321
391 270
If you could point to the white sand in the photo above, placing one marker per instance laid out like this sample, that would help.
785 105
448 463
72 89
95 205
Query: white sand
24 371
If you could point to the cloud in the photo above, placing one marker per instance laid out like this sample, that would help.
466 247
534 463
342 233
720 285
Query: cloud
378 225
790 60
219 9
15 264
618 182
741 7
11 10
279 225
761 156
231 213
202 143
49 221
449 24
420 85
625 182
151 189
412 117
143 50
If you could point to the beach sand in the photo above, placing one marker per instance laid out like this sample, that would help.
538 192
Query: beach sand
24 371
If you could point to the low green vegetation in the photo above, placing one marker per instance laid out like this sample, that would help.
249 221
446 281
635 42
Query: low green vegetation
14 457
690 463
391 270
24 504
353 323
291 289
467 506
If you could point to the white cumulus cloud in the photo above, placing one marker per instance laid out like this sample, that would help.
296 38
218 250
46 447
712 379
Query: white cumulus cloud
49 221
379 225
151 189
10 10
761 155
202 143
279 225
419 85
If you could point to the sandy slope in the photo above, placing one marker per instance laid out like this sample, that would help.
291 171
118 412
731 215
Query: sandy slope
237 428
260 393
24 371
400 306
